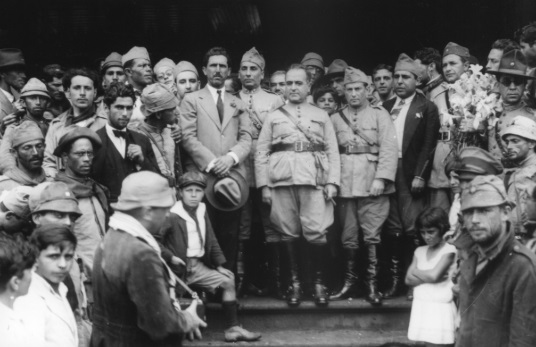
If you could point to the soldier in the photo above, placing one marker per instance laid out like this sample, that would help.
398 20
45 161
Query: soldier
512 76
186 78
137 66
297 166
112 70
314 63
277 83
369 156
259 103
335 76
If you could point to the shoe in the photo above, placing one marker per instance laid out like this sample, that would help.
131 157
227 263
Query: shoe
350 277
237 333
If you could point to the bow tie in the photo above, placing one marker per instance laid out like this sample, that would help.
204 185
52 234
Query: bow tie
119 133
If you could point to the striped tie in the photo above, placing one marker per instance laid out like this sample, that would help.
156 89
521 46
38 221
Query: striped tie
396 110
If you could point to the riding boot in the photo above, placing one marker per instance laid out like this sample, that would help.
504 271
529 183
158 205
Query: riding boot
350 277
318 259
294 292
395 266
274 263
373 297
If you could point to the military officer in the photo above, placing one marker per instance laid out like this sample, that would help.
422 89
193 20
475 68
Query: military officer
297 166
369 157
259 103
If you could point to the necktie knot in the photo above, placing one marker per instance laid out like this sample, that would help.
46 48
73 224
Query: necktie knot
119 133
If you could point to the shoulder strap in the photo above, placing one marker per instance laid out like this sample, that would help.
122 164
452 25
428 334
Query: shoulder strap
152 139
295 122
356 130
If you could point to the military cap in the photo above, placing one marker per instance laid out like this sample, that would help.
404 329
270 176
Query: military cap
11 57
185 66
144 189
512 63
157 97
521 126
16 201
53 196
253 56
164 62
135 53
192 177
454 48
473 161
114 59
26 132
484 191
34 87
228 193
313 59
405 63
352 75
74 134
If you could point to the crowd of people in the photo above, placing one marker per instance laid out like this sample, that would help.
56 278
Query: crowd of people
124 187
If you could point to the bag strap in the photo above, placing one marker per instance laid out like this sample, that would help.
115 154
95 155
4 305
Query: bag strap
295 122
252 115
357 130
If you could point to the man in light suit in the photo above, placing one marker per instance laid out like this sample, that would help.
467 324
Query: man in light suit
217 138
416 122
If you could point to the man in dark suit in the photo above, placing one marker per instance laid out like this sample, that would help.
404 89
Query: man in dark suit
416 122
217 138
123 151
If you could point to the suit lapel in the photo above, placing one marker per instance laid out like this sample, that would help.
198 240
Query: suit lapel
412 121
228 110
208 105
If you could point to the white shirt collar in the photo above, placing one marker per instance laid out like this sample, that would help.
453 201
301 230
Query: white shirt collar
407 100
214 92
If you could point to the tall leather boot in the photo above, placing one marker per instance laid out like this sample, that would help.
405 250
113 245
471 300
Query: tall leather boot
350 276
373 297
274 263
318 259
395 266
294 293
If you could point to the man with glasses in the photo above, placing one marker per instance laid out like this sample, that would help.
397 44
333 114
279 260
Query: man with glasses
512 77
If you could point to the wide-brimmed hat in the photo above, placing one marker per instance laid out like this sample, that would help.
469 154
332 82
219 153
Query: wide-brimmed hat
11 57
513 63
228 193
74 134
34 87
336 68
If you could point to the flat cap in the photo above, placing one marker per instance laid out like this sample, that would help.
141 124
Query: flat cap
474 161
135 53
405 63
26 132
253 56
521 126
74 133
114 59
164 62
484 191
352 75
144 189
313 59
157 97
512 63
185 66
34 87
192 177
454 48
11 57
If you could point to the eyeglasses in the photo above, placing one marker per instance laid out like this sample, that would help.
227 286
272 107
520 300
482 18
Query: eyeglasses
89 154
506 81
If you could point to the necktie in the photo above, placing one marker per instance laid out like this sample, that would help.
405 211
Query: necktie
396 110
219 105
119 133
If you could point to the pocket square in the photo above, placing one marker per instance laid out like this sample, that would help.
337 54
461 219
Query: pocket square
418 115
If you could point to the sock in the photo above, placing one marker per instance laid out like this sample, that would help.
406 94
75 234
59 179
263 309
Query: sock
230 309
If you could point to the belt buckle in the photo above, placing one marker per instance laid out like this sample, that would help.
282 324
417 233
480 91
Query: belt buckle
298 146
349 149
443 133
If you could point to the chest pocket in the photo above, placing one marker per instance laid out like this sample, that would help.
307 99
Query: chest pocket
282 128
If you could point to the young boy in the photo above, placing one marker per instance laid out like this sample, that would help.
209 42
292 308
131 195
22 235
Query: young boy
188 240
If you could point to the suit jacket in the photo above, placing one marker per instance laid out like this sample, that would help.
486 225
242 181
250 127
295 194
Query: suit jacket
6 107
110 168
420 135
205 138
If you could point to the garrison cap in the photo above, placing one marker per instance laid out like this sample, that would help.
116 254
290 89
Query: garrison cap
253 56
405 63
185 66
34 87
352 75
164 62
26 132
521 126
513 63
74 134
114 59
454 48
484 191
193 177
313 59
11 57
472 162
135 53
157 97
144 189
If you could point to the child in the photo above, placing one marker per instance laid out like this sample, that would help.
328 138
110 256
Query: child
189 240
327 99
433 311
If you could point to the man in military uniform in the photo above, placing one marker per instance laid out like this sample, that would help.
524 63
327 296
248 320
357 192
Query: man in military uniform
369 156
277 83
512 77
137 67
497 281
259 103
297 166
520 141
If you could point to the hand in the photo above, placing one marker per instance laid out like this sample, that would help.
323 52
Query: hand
176 133
19 106
195 332
378 185
225 272
177 261
417 186
10 119
135 154
222 165
267 195
330 191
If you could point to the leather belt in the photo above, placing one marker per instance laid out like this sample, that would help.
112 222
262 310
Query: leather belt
445 135
298 146
358 149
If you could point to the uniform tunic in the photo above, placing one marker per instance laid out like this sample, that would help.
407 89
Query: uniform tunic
516 186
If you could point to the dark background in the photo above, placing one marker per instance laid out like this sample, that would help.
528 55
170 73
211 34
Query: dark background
364 33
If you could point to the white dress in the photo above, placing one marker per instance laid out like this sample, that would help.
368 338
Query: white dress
433 311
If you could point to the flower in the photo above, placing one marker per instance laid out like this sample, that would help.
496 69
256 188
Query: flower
418 115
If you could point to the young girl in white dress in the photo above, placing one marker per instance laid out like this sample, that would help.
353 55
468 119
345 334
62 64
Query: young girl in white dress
433 310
